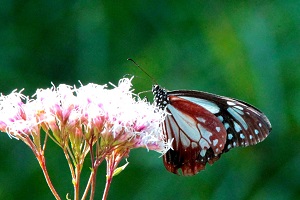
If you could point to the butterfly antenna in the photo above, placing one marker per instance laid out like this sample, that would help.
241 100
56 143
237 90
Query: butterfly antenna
153 80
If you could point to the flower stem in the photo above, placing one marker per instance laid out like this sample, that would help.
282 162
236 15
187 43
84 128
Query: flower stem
92 179
109 175
70 164
42 163
39 154
76 182
93 182
112 161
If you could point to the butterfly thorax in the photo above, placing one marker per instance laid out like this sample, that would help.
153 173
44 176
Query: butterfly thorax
160 96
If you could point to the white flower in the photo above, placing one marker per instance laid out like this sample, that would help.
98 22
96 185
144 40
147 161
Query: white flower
116 116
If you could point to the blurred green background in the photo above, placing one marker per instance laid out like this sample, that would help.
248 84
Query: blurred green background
250 51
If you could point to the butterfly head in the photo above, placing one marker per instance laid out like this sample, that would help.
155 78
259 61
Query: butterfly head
160 96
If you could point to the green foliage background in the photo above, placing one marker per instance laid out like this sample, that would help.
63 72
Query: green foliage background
250 51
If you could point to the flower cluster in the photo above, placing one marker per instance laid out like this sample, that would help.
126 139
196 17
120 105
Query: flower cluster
91 119
70 114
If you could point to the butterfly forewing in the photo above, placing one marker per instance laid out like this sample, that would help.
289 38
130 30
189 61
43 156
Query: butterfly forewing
245 125
204 125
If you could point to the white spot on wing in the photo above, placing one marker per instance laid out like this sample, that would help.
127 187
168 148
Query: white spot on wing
230 103
242 136
230 136
239 107
203 152
215 142
229 146
220 118
208 105
218 129
238 117
226 126
256 132
237 127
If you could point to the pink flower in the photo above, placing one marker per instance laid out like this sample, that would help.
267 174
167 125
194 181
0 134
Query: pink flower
89 113
16 115
105 122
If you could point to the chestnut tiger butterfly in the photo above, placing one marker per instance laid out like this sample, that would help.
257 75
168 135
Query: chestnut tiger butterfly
203 126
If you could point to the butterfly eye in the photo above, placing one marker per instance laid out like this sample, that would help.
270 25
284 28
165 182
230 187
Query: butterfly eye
203 126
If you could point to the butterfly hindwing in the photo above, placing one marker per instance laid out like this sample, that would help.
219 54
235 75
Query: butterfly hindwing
195 132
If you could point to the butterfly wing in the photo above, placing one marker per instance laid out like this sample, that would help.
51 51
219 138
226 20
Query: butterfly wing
205 125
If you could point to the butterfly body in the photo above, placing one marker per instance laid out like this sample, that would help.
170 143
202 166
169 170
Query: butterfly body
204 125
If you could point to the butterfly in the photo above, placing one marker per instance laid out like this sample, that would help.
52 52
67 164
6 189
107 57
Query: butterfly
203 126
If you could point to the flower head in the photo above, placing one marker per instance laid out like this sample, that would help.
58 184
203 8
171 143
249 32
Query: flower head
93 114
105 122
16 115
